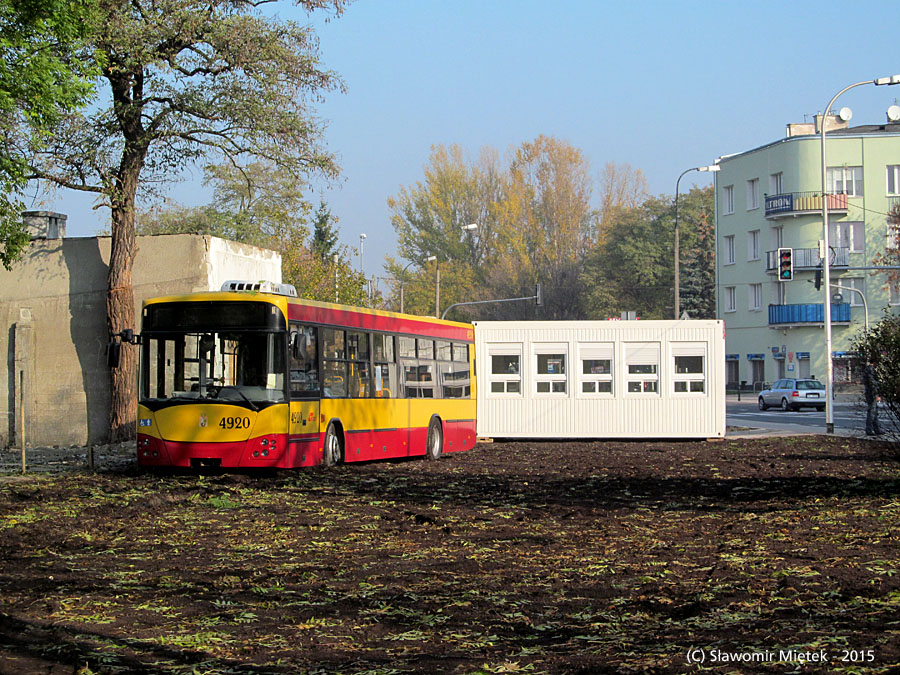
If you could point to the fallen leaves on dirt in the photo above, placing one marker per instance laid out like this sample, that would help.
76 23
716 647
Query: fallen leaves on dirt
513 558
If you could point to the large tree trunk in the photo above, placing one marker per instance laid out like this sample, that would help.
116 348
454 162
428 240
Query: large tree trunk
119 316
120 294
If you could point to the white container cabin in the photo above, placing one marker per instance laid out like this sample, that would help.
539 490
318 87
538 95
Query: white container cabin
600 379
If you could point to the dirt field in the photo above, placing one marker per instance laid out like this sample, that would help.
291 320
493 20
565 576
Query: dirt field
752 556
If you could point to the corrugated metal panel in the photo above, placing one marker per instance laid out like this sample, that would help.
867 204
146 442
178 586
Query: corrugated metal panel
621 414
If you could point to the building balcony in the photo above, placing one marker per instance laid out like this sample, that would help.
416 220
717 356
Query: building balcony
784 316
800 203
808 258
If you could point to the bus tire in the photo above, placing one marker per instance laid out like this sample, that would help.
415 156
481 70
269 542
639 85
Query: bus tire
334 445
434 443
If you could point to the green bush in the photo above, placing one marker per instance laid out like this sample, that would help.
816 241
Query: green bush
881 345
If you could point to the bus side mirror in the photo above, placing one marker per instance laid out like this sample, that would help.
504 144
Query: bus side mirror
114 348
207 344
113 353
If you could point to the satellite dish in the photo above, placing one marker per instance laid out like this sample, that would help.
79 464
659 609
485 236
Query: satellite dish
893 113
845 114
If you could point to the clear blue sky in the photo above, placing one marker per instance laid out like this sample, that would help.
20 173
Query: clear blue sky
663 86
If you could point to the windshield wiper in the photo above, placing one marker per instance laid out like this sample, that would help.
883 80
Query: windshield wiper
244 396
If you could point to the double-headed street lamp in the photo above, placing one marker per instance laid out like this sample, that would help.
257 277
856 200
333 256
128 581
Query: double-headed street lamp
467 229
826 263
712 167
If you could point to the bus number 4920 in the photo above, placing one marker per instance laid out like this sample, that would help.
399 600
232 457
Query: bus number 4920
235 423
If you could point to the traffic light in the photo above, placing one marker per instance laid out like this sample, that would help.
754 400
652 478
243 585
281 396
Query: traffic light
818 281
785 264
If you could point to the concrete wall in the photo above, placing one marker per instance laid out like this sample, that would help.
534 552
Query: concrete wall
54 306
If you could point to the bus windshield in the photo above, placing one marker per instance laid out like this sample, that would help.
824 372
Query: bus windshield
238 366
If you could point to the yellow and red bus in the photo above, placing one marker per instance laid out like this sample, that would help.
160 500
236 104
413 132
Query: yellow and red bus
252 376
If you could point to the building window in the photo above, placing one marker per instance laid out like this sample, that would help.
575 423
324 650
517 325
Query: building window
893 179
595 375
689 374
755 296
777 237
753 245
506 369
550 368
849 296
728 253
776 183
778 293
728 199
895 293
753 194
730 305
642 368
846 180
847 235
892 236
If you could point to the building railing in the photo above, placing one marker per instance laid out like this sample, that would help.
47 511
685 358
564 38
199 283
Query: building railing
807 313
791 203
808 258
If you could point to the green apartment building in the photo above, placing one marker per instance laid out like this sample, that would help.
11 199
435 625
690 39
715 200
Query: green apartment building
771 197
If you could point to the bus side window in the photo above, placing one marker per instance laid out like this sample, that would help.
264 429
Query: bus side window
360 378
303 361
385 368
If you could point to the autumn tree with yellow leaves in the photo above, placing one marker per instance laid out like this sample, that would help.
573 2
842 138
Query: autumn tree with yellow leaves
534 218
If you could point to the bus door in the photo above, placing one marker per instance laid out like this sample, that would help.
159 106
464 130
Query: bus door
305 381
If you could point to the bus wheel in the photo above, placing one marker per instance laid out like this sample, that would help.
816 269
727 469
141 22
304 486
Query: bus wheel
435 443
334 446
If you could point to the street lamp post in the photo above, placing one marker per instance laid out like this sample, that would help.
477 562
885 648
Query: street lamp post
468 232
826 263
362 238
712 167
437 286
334 263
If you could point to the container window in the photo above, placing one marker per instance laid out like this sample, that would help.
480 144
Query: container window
688 367
595 374
551 369
505 377
642 367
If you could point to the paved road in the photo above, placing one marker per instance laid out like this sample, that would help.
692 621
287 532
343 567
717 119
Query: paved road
849 417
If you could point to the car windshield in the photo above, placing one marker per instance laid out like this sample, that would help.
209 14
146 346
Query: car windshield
235 366
810 384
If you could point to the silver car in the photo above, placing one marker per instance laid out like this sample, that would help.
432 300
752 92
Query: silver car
791 394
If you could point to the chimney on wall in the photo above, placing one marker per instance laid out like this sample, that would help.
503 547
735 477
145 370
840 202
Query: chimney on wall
832 122
45 224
